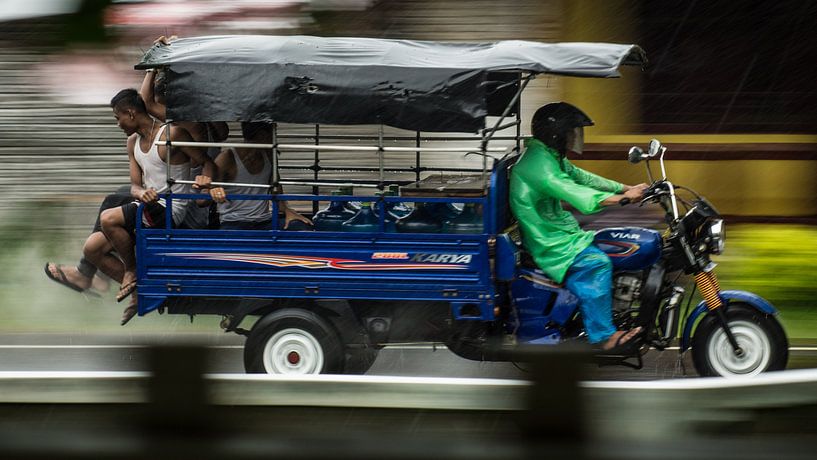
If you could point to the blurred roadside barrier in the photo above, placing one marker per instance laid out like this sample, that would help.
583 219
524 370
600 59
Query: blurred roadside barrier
668 403
176 409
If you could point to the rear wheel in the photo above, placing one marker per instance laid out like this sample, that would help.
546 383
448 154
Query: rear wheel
761 338
293 341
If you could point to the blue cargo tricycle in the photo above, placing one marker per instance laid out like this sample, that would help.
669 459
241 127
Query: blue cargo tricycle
452 271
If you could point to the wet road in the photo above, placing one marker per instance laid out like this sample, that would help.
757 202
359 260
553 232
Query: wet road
49 352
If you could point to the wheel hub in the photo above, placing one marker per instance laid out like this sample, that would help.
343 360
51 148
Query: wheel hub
293 357
293 351
751 358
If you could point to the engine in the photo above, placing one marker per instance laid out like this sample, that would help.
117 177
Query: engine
626 290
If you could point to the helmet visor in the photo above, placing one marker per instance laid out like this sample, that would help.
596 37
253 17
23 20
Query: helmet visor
575 140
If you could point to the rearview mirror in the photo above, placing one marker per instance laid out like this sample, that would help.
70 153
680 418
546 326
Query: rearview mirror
635 155
655 148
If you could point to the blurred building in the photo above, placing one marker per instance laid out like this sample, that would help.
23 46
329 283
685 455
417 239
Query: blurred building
728 88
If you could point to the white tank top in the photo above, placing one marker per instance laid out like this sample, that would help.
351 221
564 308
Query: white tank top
199 216
212 152
247 210
154 174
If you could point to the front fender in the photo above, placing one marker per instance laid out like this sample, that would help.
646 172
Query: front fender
754 300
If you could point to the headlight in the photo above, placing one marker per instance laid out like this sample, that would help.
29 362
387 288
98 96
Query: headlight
717 236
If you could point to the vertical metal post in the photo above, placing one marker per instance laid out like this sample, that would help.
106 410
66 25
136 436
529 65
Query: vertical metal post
519 118
380 156
483 145
275 178
168 179
417 158
488 133
316 166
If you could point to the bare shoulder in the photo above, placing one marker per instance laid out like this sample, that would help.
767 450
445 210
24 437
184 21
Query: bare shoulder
132 142
178 133
196 132
225 161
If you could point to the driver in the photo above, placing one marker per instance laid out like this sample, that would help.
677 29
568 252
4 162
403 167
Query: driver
541 179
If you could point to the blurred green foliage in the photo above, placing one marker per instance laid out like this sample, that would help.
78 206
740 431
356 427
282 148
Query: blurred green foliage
776 262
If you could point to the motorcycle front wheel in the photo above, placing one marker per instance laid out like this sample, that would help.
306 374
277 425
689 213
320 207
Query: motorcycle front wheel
761 338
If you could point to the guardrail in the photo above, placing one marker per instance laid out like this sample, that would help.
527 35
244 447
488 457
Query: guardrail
669 404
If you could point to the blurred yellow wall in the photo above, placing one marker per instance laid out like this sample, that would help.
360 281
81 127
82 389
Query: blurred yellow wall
749 187
734 187
612 102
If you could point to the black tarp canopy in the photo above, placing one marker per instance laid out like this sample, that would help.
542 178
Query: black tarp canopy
415 85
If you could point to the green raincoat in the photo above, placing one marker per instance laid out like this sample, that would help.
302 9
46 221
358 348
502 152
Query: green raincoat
538 185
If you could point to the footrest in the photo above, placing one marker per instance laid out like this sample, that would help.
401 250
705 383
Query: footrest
620 360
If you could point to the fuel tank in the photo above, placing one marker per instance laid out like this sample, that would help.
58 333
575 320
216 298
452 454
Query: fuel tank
630 248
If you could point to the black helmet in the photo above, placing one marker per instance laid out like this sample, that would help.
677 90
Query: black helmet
553 121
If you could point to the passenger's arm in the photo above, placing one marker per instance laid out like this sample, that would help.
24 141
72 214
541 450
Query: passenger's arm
197 134
220 130
136 189
289 213
146 91
225 172
196 156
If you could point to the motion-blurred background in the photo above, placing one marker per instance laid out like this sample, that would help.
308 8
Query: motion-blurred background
730 90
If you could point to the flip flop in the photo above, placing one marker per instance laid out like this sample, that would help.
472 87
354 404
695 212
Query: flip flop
129 312
125 291
63 280
630 347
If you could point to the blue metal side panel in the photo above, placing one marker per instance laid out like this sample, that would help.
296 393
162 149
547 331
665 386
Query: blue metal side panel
277 264
507 258
498 195
541 307
630 248
754 300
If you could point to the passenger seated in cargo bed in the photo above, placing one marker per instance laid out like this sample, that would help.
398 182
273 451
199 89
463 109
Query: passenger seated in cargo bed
250 166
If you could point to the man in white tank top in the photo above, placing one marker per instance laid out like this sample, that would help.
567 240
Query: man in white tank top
250 166
97 250
148 170
153 92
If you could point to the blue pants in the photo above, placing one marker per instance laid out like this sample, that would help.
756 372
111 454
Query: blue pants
590 278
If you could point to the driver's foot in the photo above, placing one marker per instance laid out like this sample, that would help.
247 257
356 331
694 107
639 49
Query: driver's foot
620 338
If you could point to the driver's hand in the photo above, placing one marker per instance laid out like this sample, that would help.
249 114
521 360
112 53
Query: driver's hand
149 196
636 192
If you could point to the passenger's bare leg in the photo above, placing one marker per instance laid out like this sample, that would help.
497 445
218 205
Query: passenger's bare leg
97 250
113 225
101 282
68 274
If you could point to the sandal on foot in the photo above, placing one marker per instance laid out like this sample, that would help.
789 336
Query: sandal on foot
61 278
129 312
125 291
626 343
